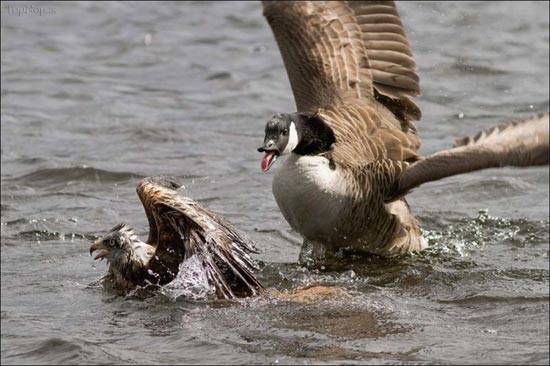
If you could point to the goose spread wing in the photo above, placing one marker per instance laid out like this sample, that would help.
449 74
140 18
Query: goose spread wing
391 61
184 229
322 51
518 143
337 52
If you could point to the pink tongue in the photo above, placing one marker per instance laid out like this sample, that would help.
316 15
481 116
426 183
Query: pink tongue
266 161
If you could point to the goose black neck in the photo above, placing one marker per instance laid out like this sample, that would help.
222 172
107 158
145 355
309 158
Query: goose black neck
314 135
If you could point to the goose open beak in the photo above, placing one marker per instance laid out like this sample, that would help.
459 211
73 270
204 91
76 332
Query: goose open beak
268 160
271 154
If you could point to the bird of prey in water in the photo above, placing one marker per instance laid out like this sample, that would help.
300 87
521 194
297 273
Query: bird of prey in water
179 228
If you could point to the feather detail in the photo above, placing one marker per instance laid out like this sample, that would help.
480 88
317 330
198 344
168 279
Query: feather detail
518 143
185 228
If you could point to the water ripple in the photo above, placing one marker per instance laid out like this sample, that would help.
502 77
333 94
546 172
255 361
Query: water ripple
54 176
54 351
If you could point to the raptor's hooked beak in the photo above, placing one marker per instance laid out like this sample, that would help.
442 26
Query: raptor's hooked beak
98 245
271 154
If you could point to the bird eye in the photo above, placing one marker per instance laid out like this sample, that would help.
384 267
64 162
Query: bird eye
112 242
284 132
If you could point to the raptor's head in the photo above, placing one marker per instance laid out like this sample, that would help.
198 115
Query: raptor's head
123 250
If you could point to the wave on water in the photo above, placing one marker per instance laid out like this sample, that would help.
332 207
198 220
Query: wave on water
55 350
45 235
53 176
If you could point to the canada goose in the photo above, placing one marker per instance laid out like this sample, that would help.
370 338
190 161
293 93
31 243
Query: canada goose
352 145
179 228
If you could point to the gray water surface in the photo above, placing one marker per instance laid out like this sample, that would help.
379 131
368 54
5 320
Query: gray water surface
97 95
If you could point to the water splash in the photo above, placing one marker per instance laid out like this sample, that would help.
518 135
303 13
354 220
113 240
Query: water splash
190 283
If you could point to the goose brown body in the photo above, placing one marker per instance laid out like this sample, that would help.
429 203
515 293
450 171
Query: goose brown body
351 68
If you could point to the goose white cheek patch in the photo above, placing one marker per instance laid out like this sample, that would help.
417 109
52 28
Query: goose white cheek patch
292 139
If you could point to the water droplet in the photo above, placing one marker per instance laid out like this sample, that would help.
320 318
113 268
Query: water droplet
349 273
148 39
461 115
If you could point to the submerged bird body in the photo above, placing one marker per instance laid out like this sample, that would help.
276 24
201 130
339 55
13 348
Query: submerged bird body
179 228
352 145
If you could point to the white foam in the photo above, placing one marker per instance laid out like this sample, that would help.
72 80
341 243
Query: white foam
190 283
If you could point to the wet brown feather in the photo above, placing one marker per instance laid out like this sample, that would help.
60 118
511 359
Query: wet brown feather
322 50
518 143
182 228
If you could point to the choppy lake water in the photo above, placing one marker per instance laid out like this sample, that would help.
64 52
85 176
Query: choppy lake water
97 95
